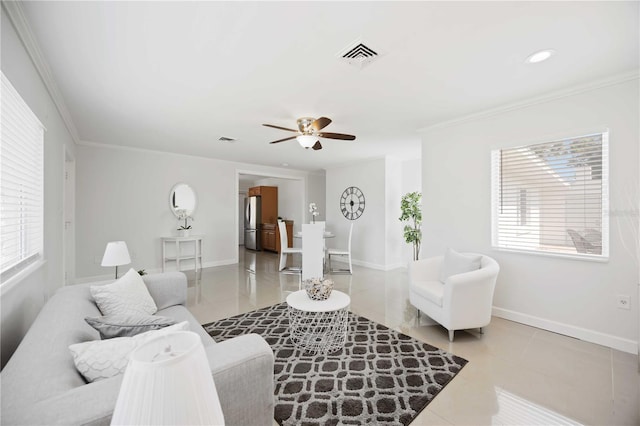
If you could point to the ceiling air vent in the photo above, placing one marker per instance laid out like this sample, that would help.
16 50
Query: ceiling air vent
226 139
358 54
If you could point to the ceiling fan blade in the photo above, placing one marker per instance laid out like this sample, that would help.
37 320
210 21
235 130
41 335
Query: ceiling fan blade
281 128
320 123
317 146
282 140
336 136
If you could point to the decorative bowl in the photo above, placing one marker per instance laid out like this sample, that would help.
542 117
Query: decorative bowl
318 289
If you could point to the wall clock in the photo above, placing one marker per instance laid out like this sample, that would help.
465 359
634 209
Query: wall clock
352 203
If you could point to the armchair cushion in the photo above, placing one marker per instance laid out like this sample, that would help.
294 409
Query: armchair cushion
430 290
457 263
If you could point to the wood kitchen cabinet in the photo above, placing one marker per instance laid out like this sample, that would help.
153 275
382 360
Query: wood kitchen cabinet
269 202
269 236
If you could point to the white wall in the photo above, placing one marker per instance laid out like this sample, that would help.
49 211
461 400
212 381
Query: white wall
394 240
316 193
123 194
377 234
573 297
22 302
368 243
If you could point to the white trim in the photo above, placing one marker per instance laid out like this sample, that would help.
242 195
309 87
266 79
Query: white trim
19 276
571 91
582 257
370 265
149 150
110 277
21 24
592 336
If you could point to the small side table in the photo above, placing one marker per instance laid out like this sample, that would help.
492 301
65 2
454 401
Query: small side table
179 256
318 326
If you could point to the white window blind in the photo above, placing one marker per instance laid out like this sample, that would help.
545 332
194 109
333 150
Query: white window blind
21 183
552 197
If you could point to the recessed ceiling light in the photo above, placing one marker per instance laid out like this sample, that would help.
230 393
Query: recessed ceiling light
285 164
540 56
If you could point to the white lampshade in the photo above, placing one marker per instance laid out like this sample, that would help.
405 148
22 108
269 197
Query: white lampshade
116 254
168 381
307 141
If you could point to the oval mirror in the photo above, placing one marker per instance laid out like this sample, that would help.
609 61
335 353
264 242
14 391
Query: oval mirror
182 200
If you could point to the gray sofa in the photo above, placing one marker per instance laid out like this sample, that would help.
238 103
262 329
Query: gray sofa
40 384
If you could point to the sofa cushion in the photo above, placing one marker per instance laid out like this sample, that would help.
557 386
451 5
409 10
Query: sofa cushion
111 326
433 291
455 263
127 296
101 359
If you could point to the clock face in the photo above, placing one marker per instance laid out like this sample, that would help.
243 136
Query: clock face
352 203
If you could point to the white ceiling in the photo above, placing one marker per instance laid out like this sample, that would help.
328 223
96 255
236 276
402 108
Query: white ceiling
175 76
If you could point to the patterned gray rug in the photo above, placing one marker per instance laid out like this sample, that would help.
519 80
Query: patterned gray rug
380 377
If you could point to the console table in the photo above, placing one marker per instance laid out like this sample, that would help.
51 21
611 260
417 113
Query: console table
196 254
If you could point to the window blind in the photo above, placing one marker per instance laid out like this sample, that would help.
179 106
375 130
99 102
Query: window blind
552 197
21 183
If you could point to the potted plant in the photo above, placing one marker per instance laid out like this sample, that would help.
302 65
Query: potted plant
183 230
411 208
313 209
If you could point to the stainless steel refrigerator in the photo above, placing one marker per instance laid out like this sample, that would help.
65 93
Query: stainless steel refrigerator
252 220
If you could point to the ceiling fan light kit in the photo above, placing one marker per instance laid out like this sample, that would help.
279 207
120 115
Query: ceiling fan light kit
309 132
307 141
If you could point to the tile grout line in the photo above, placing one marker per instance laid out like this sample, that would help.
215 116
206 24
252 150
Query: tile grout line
613 389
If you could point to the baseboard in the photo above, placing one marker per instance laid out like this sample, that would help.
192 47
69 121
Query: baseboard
223 262
615 342
370 265
110 277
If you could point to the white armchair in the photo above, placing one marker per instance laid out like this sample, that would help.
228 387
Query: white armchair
463 301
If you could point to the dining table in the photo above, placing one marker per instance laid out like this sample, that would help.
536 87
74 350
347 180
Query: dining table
313 236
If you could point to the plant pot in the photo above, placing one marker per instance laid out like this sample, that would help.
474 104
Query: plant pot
184 232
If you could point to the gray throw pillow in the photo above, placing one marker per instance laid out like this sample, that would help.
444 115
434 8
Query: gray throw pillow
127 325
457 263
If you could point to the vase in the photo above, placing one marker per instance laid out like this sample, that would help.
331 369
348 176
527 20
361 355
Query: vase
318 289
183 232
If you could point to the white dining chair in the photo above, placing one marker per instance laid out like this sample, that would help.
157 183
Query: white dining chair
324 242
312 251
338 252
285 250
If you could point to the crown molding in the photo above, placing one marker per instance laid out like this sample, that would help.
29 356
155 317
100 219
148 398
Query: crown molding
266 169
563 93
21 24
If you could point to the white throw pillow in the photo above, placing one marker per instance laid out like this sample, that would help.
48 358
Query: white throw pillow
101 359
127 296
457 263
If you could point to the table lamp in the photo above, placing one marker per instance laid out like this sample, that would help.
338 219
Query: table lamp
116 254
168 382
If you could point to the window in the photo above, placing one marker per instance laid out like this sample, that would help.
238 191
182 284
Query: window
552 197
21 185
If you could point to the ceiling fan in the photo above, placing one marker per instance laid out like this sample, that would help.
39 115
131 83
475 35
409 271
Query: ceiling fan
309 132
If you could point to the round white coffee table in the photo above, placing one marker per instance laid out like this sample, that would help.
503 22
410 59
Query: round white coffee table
318 326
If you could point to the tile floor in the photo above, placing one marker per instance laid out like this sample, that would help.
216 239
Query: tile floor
516 374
